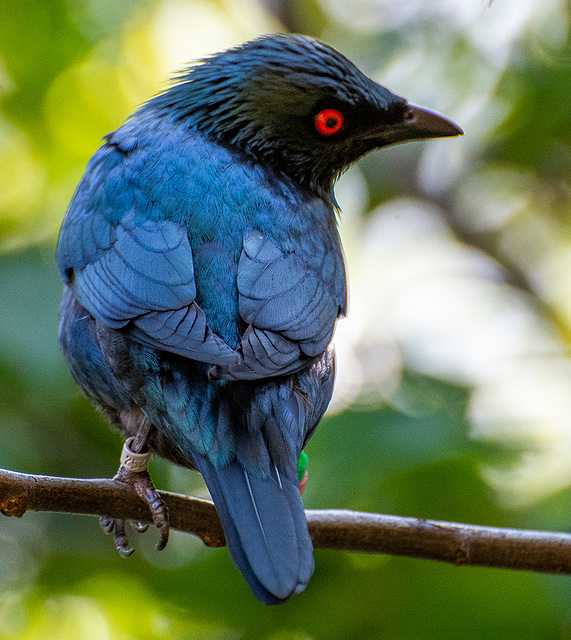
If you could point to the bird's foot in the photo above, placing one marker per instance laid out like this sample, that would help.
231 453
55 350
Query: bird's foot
133 471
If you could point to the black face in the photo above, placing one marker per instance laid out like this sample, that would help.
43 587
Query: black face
313 131
300 106
315 136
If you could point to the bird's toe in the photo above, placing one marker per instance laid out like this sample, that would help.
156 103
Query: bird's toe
143 485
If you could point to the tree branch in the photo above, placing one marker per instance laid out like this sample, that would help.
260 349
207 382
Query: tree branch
458 544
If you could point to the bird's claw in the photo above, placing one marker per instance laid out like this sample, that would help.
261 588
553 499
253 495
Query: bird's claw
147 492
140 527
117 527
143 485
141 481
107 524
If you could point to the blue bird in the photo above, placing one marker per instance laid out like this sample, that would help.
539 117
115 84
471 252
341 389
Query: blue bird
204 276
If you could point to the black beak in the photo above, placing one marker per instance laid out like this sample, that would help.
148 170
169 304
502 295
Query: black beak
417 123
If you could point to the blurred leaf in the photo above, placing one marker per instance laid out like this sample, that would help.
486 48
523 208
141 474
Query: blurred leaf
541 95
38 39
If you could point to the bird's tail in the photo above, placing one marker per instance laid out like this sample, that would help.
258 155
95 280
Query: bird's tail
265 527
245 439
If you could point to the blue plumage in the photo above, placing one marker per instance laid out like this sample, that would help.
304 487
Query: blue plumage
204 276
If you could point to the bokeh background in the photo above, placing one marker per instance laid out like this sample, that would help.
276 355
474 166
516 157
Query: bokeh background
453 397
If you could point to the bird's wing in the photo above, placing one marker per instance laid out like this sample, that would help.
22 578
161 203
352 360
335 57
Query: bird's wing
127 267
290 300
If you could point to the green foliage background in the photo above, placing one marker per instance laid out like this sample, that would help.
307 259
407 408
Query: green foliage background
72 70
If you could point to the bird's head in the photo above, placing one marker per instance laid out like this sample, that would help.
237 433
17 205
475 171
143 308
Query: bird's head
299 105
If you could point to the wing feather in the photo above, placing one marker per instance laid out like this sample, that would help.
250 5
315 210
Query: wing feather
290 300
130 271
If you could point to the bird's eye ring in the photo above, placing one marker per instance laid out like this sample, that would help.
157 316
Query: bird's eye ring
329 122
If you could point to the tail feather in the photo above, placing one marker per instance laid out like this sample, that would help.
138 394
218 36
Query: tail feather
265 526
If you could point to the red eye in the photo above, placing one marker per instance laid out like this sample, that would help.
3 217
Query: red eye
328 121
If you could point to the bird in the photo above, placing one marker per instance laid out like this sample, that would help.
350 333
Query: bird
204 275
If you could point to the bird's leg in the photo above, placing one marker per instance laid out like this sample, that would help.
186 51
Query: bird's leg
133 471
